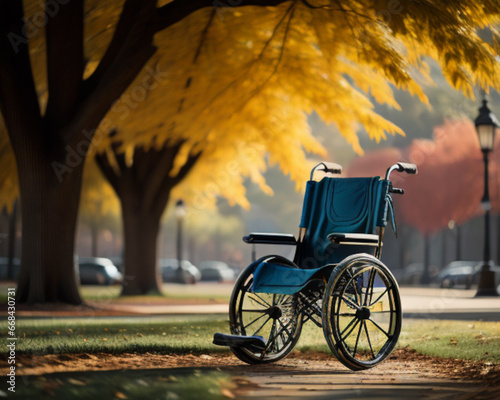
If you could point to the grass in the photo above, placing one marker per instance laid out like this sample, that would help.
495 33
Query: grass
210 293
453 339
166 335
193 335
132 384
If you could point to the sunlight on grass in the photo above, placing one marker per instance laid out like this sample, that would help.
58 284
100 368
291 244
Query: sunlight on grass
179 335
471 340
189 293
193 334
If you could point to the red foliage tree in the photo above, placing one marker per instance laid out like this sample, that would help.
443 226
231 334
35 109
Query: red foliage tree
449 184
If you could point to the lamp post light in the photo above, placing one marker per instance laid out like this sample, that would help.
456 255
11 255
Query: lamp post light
180 213
486 125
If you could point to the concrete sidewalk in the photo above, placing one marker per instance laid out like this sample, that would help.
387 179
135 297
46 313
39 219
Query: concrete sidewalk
416 302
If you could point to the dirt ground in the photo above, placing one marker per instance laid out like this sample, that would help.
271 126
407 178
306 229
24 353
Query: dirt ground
404 359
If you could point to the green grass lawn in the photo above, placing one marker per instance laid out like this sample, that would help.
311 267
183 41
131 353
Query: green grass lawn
193 334
202 293
179 335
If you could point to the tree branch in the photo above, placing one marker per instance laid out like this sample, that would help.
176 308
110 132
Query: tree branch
158 172
65 63
128 17
170 182
176 10
108 171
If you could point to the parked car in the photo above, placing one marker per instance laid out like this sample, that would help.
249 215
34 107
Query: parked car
4 268
98 271
216 271
169 273
464 274
118 261
413 272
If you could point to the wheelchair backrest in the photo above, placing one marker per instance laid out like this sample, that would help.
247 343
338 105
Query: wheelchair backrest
339 205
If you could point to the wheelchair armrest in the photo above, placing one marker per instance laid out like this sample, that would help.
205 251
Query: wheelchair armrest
354 238
270 238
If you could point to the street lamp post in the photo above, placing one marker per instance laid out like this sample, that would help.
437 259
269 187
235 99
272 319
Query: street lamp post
486 125
180 213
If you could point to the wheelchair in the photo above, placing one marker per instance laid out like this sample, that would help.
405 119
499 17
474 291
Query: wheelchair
336 278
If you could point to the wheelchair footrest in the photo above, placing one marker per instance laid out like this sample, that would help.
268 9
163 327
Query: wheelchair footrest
253 343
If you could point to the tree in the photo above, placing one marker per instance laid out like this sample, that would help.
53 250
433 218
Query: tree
143 187
99 207
448 186
254 69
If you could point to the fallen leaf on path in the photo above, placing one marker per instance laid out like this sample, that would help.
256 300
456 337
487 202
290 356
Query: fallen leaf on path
228 393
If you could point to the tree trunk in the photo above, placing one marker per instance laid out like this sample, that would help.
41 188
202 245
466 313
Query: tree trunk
12 242
143 189
50 208
94 239
140 232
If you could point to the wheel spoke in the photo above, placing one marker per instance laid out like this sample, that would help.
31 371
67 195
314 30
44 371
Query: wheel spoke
254 321
262 302
357 340
378 326
273 337
379 297
350 302
284 327
351 328
369 287
368 337
265 322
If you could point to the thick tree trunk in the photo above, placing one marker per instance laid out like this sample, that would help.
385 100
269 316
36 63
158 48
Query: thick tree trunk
94 239
140 231
12 242
50 209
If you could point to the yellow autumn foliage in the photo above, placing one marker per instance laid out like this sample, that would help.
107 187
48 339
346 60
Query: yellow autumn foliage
237 83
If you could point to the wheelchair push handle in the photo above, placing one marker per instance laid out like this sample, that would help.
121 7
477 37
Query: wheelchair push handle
402 167
408 168
327 168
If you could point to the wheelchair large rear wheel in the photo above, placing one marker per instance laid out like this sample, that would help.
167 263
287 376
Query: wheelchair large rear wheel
271 316
361 312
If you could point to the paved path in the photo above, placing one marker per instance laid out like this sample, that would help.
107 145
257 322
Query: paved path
417 303
386 381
